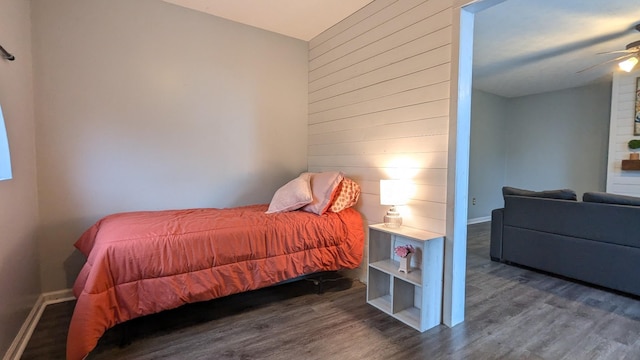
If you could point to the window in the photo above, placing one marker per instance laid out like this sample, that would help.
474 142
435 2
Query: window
5 158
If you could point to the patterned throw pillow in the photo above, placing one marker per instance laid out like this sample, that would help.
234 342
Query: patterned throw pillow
347 195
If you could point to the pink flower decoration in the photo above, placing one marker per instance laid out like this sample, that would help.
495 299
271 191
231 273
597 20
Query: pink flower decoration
404 250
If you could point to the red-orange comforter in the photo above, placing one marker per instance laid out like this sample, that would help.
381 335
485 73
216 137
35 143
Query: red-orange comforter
141 263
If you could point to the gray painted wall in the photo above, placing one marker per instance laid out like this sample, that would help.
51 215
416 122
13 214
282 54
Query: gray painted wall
19 268
147 105
487 163
550 141
559 139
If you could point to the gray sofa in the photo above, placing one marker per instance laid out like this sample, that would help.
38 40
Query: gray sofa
596 240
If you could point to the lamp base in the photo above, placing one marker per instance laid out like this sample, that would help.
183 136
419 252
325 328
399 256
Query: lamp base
392 219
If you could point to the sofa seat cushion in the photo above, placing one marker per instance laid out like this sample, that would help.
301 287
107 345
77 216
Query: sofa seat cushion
573 257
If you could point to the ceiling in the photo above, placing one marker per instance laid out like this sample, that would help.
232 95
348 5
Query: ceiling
524 47
521 47
300 19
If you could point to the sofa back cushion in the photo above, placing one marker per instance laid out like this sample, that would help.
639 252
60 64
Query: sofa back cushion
561 194
606 198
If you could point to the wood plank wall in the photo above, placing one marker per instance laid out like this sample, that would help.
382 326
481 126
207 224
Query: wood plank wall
379 88
623 95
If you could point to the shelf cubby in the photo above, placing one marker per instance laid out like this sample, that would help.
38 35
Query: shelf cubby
414 298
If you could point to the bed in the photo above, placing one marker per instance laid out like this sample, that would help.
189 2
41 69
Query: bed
140 263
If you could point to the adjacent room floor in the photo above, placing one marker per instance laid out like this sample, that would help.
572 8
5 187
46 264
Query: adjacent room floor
511 313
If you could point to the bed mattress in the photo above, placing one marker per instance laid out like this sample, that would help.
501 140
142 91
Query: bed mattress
141 263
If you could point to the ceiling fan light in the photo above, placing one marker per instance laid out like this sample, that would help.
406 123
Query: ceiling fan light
628 64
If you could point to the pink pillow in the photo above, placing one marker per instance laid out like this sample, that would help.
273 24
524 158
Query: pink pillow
292 195
323 186
346 196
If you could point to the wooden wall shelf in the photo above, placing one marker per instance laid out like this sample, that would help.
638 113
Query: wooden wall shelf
630 164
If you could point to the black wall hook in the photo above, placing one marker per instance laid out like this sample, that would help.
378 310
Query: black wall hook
6 55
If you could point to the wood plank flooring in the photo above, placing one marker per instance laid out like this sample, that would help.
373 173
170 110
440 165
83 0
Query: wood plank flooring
511 313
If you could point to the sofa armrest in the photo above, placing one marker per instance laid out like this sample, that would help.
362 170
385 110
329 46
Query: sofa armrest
495 248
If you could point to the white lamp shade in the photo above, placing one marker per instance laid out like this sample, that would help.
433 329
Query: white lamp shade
628 64
394 192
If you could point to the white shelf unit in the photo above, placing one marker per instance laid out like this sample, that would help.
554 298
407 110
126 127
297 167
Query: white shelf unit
414 298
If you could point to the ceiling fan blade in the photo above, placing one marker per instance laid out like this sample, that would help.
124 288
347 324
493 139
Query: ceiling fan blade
617 52
606 62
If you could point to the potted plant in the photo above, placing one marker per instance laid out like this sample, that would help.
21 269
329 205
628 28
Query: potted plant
405 252
634 145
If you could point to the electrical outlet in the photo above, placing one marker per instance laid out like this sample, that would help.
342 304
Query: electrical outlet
473 201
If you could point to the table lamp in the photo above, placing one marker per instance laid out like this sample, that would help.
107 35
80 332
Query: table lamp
393 193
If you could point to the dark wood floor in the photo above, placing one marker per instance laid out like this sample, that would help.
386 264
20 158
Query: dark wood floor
511 313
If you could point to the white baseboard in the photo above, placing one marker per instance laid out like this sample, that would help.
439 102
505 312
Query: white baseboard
26 330
478 220
59 296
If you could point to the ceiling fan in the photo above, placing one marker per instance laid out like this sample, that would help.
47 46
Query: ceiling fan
628 61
